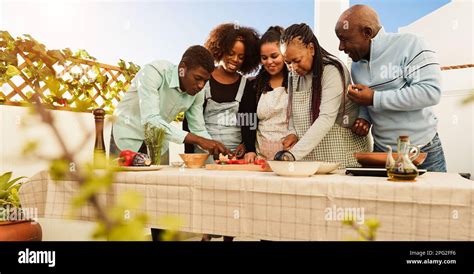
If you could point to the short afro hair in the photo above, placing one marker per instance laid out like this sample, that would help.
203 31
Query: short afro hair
198 56
222 39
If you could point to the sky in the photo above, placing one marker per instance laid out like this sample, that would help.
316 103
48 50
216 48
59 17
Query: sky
143 31
399 13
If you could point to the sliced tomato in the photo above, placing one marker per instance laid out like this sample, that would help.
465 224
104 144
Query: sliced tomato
237 162
260 161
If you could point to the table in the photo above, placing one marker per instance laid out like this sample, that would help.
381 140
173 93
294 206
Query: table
263 205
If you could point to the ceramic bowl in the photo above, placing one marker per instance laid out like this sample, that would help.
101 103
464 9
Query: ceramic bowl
294 169
194 160
378 159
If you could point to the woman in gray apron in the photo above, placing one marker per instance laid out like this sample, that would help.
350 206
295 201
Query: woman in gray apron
320 112
230 105
222 119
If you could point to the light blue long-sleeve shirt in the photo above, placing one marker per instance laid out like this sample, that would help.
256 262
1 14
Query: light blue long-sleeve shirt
154 97
405 76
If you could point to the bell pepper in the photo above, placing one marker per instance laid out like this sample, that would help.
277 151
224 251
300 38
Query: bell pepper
126 157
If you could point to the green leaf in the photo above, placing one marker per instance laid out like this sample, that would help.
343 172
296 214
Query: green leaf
54 86
5 178
11 184
68 52
57 55
3 194
30 146
84 104
372 224
28 73
58 169
12 71
83 54
46 72
9 58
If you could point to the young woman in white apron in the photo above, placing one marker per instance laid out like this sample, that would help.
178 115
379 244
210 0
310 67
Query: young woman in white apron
230 105
273 130
320 111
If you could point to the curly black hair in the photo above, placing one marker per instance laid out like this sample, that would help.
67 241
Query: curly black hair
196 56
222 38
261 83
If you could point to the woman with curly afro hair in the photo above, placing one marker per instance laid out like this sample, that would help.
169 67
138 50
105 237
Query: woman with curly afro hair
230 106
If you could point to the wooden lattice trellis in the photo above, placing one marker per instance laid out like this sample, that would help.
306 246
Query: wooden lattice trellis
17 89
61 80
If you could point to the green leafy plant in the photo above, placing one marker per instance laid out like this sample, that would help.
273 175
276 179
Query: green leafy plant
367 231
154 138
113 221
9 198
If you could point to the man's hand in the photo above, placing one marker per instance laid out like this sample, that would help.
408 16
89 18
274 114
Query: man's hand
214 147
240 151
361 127
289 141
361 95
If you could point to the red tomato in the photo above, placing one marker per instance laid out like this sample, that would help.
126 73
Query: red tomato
260 161
237 162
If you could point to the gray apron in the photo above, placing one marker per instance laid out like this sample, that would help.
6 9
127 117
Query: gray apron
338 145
221 118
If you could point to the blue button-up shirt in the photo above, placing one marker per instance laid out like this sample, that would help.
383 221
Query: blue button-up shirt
155 97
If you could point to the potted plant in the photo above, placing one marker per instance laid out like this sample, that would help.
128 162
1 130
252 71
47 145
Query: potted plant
13 224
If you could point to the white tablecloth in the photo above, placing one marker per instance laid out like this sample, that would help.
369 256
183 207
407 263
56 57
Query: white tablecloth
258 205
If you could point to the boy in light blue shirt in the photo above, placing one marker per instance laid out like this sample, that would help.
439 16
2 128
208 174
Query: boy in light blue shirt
397 81
160 91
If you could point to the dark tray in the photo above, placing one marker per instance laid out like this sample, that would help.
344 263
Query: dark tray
372 171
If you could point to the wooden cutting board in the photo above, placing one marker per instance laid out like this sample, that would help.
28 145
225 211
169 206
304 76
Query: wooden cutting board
247 167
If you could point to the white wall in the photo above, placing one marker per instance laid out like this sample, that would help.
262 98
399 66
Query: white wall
17 127
449 31
456 121
326 15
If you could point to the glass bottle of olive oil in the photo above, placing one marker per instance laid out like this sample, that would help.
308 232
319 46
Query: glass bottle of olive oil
403 169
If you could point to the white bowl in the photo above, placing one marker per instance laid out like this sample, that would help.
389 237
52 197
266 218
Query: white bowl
294 169
327 167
